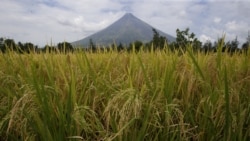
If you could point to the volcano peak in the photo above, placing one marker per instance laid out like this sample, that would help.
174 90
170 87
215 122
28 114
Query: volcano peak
125 30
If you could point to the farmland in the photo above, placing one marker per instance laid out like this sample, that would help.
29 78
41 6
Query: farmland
110 95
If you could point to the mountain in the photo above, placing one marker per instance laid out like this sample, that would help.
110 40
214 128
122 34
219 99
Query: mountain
125 30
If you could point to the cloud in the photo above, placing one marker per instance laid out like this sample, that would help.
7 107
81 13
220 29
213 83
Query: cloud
217 20
38 21
234 26
204 38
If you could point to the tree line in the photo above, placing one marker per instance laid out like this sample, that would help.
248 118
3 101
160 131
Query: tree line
7 45
184 39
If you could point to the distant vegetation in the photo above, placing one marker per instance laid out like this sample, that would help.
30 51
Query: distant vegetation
9 45
183 38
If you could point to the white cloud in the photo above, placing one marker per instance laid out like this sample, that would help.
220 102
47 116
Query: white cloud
217 20
237 26
183 13
203 38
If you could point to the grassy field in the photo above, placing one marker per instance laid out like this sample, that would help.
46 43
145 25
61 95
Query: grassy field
158 95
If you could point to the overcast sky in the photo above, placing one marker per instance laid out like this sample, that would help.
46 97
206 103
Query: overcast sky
39 21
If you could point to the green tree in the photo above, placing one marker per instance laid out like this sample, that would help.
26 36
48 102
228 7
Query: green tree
246 45
92 46
9 44
49 49
120 47
184 38
158 41
30 47
232 46
220 43
2 44
137 45
208 47
20 45
1 41
65 47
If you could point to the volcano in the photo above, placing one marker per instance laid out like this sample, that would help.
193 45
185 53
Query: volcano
125 30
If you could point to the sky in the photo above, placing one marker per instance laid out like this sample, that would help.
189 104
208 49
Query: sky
51 21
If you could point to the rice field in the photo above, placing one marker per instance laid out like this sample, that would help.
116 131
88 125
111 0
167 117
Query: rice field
125 96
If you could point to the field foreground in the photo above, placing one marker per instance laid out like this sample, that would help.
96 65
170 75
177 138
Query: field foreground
125 96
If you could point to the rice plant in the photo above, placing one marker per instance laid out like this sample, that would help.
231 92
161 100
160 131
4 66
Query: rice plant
110 95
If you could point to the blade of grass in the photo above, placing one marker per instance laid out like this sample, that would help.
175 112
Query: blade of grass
196 64
227 106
